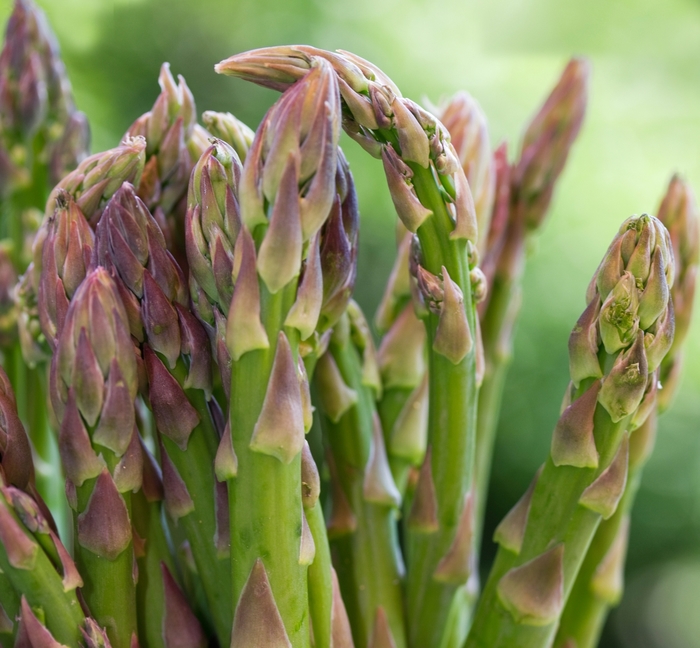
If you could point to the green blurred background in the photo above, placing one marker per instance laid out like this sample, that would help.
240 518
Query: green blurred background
643 124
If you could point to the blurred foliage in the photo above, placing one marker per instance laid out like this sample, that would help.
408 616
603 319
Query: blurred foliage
643 124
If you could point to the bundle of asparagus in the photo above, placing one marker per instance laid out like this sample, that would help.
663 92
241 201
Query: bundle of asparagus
231 455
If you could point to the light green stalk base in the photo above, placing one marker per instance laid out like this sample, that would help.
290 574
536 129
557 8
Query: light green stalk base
320 580
265 496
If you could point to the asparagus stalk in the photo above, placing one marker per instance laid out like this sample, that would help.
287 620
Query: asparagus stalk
34 562
599 584
362 525
614 350
177 364
271 310
432 197
523 193
93 386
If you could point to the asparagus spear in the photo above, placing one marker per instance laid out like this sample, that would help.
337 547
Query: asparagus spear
93 386
231 130
271 309
523 193
177 364
362 525
599 584
614 351
432 197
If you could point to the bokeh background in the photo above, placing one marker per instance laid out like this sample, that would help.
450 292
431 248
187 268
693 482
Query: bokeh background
643 124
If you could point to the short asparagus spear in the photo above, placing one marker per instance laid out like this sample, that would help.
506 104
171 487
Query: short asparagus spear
614 352
177 363
93 386
599 583
432 197
34 562
522 197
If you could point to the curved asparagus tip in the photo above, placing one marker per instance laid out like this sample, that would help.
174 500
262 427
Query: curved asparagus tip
229 129
547 142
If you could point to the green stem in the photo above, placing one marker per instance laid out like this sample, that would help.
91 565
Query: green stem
43 588
451 430
555 517
389 407
320 579
368 561
10 602
265 496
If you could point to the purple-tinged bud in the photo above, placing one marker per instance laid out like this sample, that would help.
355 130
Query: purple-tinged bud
583 345
659 339
78 458
413 140
453 338
174 415
194 344
21 550
279 430
457 564
226 462
128 473
160 321
305 312
95 636
229 129
15 452
409 436
104 527
607 582
341 634
649 402
423 517
623 388
654 299
511 531
604 494
307 547
398 175
117 416
178 501
401 353
382 636
181 628
534 592
335 395
31 632
378 486
244 331
257 620
310 478
573 443
279 256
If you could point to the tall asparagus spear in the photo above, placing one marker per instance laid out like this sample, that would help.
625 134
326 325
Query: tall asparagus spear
599 583
522 197
614 351
362 525
177 364
93 386
287 190
432 197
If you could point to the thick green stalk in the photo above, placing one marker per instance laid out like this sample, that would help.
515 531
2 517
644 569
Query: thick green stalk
555 516
42 586
320 579
389 408
367 557
451 429
265 496
108 585
195 466
150 597
9 601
